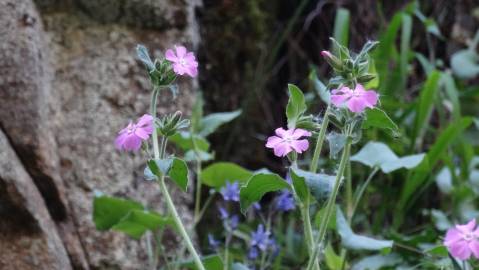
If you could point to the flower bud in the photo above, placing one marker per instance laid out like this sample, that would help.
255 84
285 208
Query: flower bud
332 60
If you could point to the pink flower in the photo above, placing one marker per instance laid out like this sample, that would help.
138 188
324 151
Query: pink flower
129 138
326 54
463 240
288 140
183 61
357 100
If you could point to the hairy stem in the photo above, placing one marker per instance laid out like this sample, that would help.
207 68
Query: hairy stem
330 204
319 142
164 189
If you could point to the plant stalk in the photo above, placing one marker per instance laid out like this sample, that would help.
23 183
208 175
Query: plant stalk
330 204
164 189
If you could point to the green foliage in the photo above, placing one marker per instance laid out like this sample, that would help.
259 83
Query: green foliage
211 122
257 186
341 26
376 154
377 118
320 185
126 216
217 174
175 168
296 105
350 240
211 262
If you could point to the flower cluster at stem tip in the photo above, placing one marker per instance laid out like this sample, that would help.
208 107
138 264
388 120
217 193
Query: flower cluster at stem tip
131 137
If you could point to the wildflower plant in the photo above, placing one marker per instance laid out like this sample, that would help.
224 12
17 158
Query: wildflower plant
274 208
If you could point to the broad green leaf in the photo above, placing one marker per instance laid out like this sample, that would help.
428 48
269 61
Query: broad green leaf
217 174
320 88
333 260
374 83
441 222
211 262
296 105
377 262
426 65
377 154
341 27
427 98
137 222
465 64
175 168
379 119
320 185
437 251
350 240
258 185
332 219
108 211
337 141
212 121
184 140
444 181
421 173
191 155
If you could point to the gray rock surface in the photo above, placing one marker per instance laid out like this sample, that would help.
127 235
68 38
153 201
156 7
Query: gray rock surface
69 81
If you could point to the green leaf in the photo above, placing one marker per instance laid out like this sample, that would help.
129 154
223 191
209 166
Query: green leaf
465 64
337 141
319 216
341 27
440 220
239 266
379 119
444 181
424 107
175 168
191 155
320 88
211 262
137 222
333 260
257 186
296 105
142 53
184 140
350 240
217 174
211 122
452 94
377 154
421 173
377 262
406 30
320 185
197 113
108 211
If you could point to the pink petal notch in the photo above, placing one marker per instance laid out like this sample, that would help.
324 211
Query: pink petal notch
131 137
286 141
356 100
183 62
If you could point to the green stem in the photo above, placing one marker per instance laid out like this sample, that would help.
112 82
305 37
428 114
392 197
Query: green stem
164 189
330 204
198 191
362 189
319 142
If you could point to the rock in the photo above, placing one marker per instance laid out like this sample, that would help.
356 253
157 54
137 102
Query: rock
68 84
28 238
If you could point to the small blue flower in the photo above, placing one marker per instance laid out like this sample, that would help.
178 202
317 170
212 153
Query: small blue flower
253 253
256 206
285 201
231 191
260 238
223 213
234 221
214 244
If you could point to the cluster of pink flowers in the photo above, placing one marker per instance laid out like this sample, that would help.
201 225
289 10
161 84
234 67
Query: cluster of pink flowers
184 62
462 241
289 140
357 99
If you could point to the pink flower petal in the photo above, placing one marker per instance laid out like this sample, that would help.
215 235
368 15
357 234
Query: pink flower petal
356 104
300 145
466 228
280 132
282 149
453 235
120 140
273 141
180 51
371 98
145 120
192 71
170 56
474 247
298 133
142 133
132 143
460 250
359 89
